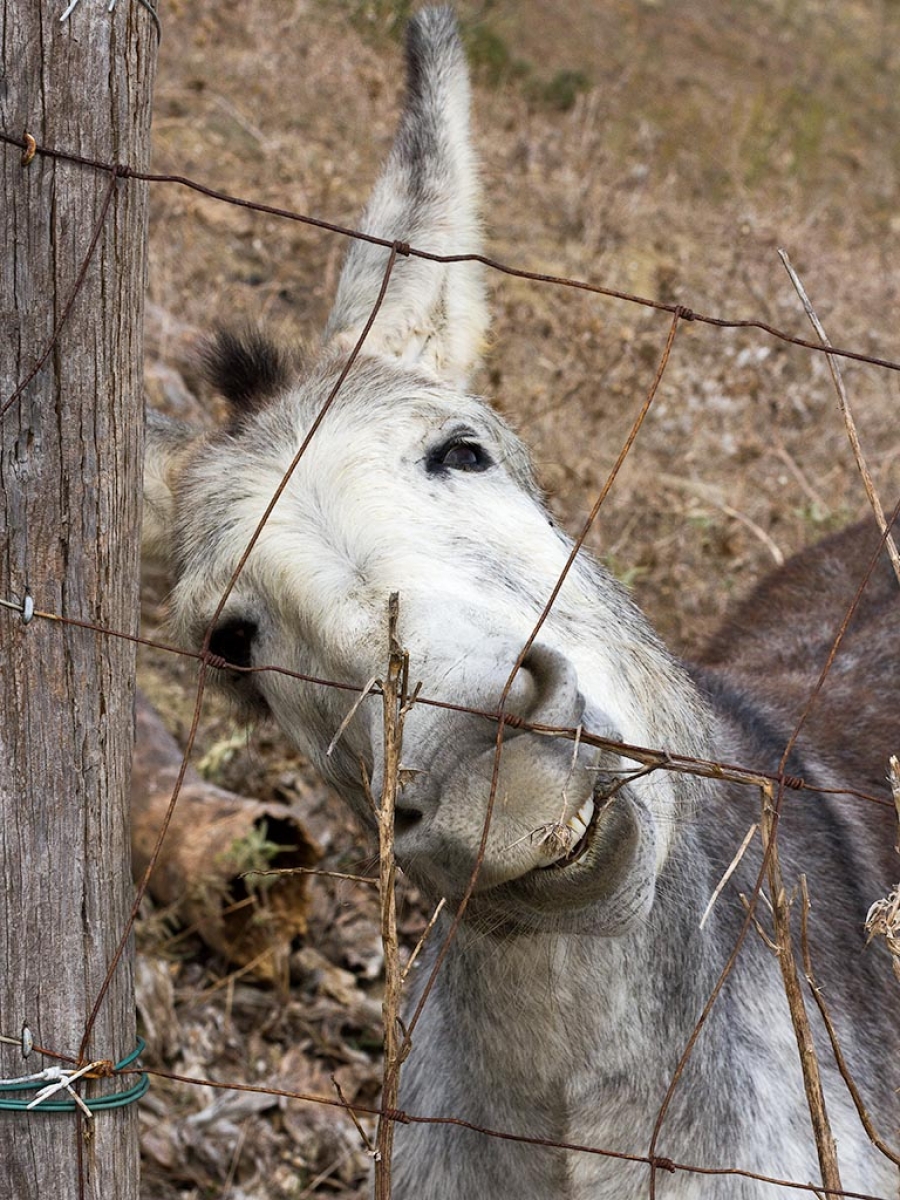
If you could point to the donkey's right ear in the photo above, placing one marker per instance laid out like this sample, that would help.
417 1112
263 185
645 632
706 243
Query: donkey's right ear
167 445
434 315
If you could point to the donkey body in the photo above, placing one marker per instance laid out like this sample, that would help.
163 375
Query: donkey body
581 968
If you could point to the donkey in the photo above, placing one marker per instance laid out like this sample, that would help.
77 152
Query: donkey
581 967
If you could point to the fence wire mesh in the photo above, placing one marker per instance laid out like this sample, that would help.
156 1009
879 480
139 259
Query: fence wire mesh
22 610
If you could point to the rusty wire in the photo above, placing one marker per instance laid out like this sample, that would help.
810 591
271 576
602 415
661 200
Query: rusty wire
28 146
660 759
115 174
205 655
655 758
753 900
507 687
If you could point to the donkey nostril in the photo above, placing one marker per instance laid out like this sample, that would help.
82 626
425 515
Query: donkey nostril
552 695
406 819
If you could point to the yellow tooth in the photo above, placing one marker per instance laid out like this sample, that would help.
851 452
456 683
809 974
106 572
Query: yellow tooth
577 827
578 824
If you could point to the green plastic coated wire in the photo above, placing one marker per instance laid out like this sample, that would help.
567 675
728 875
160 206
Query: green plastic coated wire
95 1103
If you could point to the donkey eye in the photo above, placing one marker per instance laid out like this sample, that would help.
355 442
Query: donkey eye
233 641
460 454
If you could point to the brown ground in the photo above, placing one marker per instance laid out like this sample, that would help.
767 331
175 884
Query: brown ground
656 148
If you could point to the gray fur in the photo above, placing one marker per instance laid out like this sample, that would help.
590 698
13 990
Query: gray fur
569 993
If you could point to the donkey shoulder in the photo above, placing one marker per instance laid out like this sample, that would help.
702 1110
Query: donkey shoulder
778 642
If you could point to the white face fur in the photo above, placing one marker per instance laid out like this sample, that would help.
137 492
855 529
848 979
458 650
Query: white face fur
412 486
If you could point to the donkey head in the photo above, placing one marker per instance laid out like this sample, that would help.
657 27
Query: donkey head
412 485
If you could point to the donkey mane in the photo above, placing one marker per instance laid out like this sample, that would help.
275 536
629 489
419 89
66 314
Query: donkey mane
247 368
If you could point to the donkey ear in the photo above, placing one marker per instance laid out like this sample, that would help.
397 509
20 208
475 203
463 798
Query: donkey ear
167 444
434 315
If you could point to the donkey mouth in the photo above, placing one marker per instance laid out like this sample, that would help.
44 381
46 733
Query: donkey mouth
603 881
576 836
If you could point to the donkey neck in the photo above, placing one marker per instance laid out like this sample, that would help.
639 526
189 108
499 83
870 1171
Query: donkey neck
539 1001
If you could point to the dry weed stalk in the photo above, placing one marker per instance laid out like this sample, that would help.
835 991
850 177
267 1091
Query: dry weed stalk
396 704
839 1059
422 940
883 918
729 871
809 1063
348 1108
711 495
345 875
847 414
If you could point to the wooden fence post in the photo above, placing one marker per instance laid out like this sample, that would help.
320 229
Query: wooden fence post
70 469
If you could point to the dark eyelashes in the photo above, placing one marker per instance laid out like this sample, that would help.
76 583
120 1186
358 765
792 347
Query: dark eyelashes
458 453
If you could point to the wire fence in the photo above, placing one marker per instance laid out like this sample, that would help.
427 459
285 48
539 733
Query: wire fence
771 784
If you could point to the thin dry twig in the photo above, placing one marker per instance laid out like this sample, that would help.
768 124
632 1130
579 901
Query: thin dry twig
894 780
844 402
757 924
422 940
367 688
366 1140
883 917
235 1159
369 879
883 920
710 495
817 500
729 871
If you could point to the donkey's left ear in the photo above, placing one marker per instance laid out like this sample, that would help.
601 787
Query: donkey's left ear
434 315
167 446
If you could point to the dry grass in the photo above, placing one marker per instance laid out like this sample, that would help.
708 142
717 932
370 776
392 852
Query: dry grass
654 149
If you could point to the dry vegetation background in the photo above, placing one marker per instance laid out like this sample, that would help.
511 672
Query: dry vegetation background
664 148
